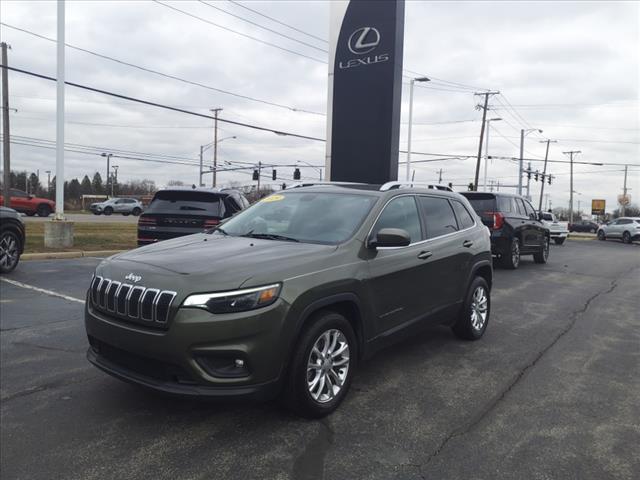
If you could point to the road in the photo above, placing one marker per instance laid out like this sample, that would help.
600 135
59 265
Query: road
83 217
551 392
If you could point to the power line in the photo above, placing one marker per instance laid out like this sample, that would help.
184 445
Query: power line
263 27
277 21
166 107
239 33
165 75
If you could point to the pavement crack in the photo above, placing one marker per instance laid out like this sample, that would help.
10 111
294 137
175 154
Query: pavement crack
309 465
490 406
42 388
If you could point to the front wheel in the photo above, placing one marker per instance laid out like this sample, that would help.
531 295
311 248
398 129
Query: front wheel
601 235
559 241
108 211
511 259
474 316
9 251
322 366
44 210
136 211
626 237
543 255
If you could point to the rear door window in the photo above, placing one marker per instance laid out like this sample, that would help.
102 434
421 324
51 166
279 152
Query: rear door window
483 203
439 217
464 217
187 203
531 213
520 207
506 205
401 213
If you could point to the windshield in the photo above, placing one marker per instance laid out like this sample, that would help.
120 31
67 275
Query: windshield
186 202
327 218
548 217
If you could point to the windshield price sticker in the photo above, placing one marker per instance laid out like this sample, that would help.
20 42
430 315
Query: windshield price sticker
273 198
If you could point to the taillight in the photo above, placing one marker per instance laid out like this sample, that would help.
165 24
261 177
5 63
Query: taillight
498 219
146 221
211 222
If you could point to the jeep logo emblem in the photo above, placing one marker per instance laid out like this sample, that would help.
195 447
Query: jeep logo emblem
133 278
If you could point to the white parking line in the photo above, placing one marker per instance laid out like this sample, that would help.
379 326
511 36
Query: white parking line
41 290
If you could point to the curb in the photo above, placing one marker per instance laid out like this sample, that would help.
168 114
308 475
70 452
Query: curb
62 255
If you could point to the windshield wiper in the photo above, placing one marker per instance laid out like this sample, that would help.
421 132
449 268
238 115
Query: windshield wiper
269 236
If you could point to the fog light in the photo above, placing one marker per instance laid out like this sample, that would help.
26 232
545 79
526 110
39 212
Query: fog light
239 363
224 366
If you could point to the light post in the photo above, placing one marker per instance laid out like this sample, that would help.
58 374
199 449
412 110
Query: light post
48 172
115 180
486 150
411 84
204 148
523 133
108 157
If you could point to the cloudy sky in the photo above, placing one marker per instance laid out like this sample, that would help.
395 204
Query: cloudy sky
570 69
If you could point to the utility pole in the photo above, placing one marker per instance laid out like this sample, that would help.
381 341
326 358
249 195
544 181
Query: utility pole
484 118
115 179
528 179
440 176
259 172
48 172
215 145
544 171
624 192
5 128
571 154
201 151
60 71
411 85
108 156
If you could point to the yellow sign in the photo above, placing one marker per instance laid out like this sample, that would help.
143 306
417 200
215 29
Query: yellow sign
273 198
597 207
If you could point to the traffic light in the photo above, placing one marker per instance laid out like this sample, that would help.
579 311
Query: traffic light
536 176
549 179
284 186
451 185
256 175
470 187
296 174
273 174
529 174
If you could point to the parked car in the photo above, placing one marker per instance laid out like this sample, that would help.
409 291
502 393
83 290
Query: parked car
180 211
557 231
289 295
626 229
24 203
584 226
515 227
125 206
12 239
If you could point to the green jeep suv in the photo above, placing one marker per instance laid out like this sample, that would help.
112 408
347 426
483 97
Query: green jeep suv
286 297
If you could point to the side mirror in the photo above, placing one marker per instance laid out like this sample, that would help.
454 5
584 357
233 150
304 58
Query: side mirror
540 217
390 237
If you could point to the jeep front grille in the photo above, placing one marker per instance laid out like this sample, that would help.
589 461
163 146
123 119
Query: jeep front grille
148 306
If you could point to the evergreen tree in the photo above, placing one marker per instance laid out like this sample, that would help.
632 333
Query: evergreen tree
85 187
98 188
73 190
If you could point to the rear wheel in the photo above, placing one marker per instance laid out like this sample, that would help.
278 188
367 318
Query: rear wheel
559 241
511 259
108 211
44 210
543 255
601 235
322 366
9 251
626 237
474 316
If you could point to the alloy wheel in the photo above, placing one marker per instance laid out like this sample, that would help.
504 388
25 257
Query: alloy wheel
8 252
479 308
515 253
328 365
545 250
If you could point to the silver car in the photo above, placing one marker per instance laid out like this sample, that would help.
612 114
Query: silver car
625 228
125 206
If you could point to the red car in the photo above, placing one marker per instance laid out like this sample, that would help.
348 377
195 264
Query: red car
25 203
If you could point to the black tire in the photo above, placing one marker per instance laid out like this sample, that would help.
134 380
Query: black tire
44 210
601 235
559 241
467 327
136 211
96 213
10 245
296 394
626 237
125 214
512 259
108 211
543 255
30 214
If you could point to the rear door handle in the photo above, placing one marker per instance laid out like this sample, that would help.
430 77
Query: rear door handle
424 255
467 243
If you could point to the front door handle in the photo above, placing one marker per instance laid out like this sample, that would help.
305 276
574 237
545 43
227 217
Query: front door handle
467 243
424 255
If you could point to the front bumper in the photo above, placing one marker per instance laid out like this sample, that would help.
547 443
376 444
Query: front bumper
171 361
558 234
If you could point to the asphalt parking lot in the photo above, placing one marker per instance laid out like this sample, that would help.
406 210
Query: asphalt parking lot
551 392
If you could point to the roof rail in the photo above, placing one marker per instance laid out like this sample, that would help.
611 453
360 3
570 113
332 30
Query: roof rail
312 184
397 185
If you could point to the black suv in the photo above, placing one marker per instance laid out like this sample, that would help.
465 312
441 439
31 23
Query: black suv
289 295
182 211
516 228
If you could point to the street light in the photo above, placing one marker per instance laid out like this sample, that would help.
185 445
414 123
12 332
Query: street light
486 150
411 84
115 167
108 156
204 148
524 133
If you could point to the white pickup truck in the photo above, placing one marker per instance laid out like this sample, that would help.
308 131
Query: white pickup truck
557 231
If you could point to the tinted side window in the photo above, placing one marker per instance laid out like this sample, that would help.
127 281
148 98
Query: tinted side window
506 205
401 213
624 221
439 216
520 207
531 213
464 218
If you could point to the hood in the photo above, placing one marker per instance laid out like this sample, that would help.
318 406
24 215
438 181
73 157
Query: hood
219 262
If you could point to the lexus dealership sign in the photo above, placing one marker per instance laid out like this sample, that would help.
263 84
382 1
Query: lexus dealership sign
365 88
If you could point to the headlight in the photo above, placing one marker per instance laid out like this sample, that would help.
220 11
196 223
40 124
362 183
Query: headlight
234 301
